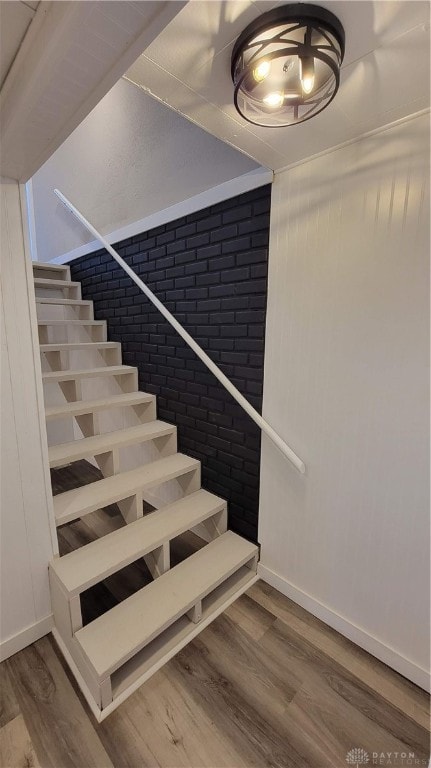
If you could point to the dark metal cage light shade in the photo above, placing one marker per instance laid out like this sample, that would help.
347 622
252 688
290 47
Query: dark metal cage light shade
286 65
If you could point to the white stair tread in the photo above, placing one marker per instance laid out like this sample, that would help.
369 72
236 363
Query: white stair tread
149 659
107 370
84 345
46 282
80 501
50 266
79 407
86 566
60 300
137 620
98 444
71 322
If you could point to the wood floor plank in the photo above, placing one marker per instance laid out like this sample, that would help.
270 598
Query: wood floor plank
391 686
16 748
250 617
336 689
162 725
256 733
262 680
340 726
59 726
93 526
9 707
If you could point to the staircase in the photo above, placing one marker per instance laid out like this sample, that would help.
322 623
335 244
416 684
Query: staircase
94 411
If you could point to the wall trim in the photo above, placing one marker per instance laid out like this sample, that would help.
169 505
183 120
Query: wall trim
366 135
25 637
245 183
356 634
31 221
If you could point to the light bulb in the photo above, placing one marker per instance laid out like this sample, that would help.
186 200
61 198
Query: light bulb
306 73
274 99
261 71
308 84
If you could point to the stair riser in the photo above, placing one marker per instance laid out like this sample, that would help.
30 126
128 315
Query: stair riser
89 389
79 346
61 273
66 292
104 421
79 359
62 334
86 387
140 413
47 312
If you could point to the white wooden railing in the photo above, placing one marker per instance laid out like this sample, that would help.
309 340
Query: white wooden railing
236 394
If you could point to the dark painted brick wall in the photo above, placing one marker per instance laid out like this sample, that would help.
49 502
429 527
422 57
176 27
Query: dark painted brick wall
210 270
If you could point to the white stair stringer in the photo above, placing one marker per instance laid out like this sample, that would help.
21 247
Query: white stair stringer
84 380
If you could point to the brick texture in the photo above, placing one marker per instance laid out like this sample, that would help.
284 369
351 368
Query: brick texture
210 270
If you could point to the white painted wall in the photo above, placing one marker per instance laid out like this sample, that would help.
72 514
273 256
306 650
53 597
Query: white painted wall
28 539
130 158
346 385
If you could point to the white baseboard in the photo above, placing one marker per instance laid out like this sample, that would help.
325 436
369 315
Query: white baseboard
232 188
27 636
368 642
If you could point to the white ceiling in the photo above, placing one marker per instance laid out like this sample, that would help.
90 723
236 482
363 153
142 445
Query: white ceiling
15 18
385 74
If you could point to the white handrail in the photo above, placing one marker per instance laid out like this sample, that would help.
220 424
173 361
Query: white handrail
236 394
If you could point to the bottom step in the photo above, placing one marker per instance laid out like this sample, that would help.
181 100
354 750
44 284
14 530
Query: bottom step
181 632
109 672
179 635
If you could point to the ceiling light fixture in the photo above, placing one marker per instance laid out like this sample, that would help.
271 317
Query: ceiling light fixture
286 65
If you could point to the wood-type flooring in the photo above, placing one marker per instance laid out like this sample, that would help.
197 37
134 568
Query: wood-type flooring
266 685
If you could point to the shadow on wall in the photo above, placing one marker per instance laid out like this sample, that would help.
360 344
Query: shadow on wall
370 161
210 270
